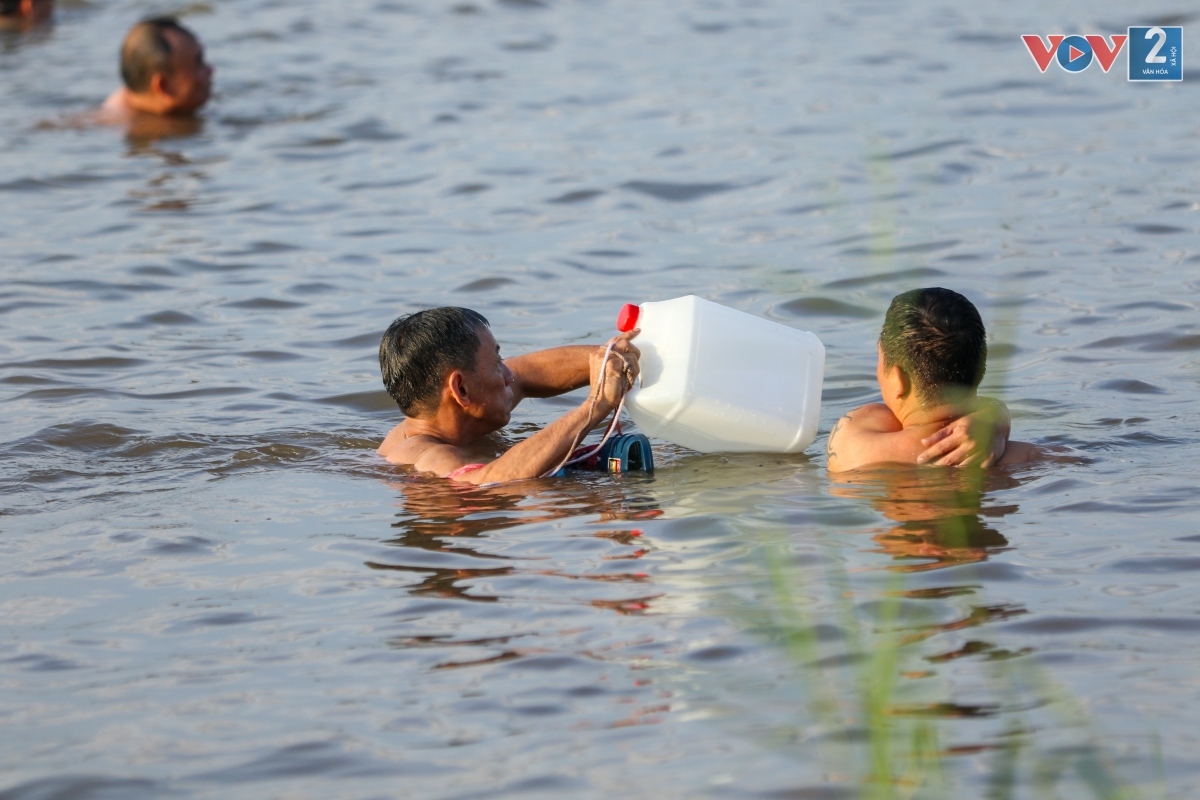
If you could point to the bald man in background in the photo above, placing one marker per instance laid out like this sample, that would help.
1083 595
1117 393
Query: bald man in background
165 74
16 15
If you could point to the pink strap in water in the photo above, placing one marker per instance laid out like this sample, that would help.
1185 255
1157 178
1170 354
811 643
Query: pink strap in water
458 473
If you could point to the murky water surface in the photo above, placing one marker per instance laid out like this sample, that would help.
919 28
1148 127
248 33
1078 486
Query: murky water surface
211 587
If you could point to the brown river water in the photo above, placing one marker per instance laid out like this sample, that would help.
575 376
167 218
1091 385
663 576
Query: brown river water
211 586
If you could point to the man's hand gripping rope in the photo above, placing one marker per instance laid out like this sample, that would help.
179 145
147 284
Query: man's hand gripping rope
614 425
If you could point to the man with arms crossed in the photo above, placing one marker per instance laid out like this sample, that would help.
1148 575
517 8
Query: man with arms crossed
932 356
443 368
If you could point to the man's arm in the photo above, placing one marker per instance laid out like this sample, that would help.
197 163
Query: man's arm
529 458
549 447
549 373
870 434
978 439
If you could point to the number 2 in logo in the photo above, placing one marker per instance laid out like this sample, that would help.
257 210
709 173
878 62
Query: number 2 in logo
1153 57
1156 54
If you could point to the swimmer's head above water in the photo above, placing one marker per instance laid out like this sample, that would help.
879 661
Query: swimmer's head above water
445 351
163 67
933 339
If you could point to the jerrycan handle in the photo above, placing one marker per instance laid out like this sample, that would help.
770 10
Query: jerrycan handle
628 318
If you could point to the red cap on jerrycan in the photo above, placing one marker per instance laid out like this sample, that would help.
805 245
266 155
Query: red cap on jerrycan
628 318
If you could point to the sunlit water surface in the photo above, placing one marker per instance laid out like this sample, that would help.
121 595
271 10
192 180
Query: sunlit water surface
210 586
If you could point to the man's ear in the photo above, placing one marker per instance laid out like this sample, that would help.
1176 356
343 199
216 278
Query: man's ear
896 382
160 85
904 382
456 384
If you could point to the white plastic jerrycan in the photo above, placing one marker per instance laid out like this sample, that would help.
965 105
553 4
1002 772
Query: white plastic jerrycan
719 380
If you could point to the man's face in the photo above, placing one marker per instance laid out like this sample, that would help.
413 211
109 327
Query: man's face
490 385
191 78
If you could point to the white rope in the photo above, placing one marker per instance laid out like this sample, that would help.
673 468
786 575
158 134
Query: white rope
591 450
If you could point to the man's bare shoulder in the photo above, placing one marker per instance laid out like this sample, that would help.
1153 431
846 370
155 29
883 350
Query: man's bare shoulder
391 443
422 453
865 435
116 109
873 417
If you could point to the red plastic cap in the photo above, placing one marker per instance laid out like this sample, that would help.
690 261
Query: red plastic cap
627 319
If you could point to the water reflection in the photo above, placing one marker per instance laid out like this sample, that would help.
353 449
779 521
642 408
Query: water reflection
461 519
943 520
436 510
141 130
942 515
144 129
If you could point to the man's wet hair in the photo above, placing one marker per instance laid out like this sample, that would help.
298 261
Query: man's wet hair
147 50
418 350
937 337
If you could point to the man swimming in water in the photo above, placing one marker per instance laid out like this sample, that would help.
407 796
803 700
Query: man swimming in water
932 356
16 15
165 74
443 368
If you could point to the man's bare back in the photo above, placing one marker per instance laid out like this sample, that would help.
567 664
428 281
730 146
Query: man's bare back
872 434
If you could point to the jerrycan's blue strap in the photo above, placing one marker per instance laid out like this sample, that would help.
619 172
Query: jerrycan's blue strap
628 452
